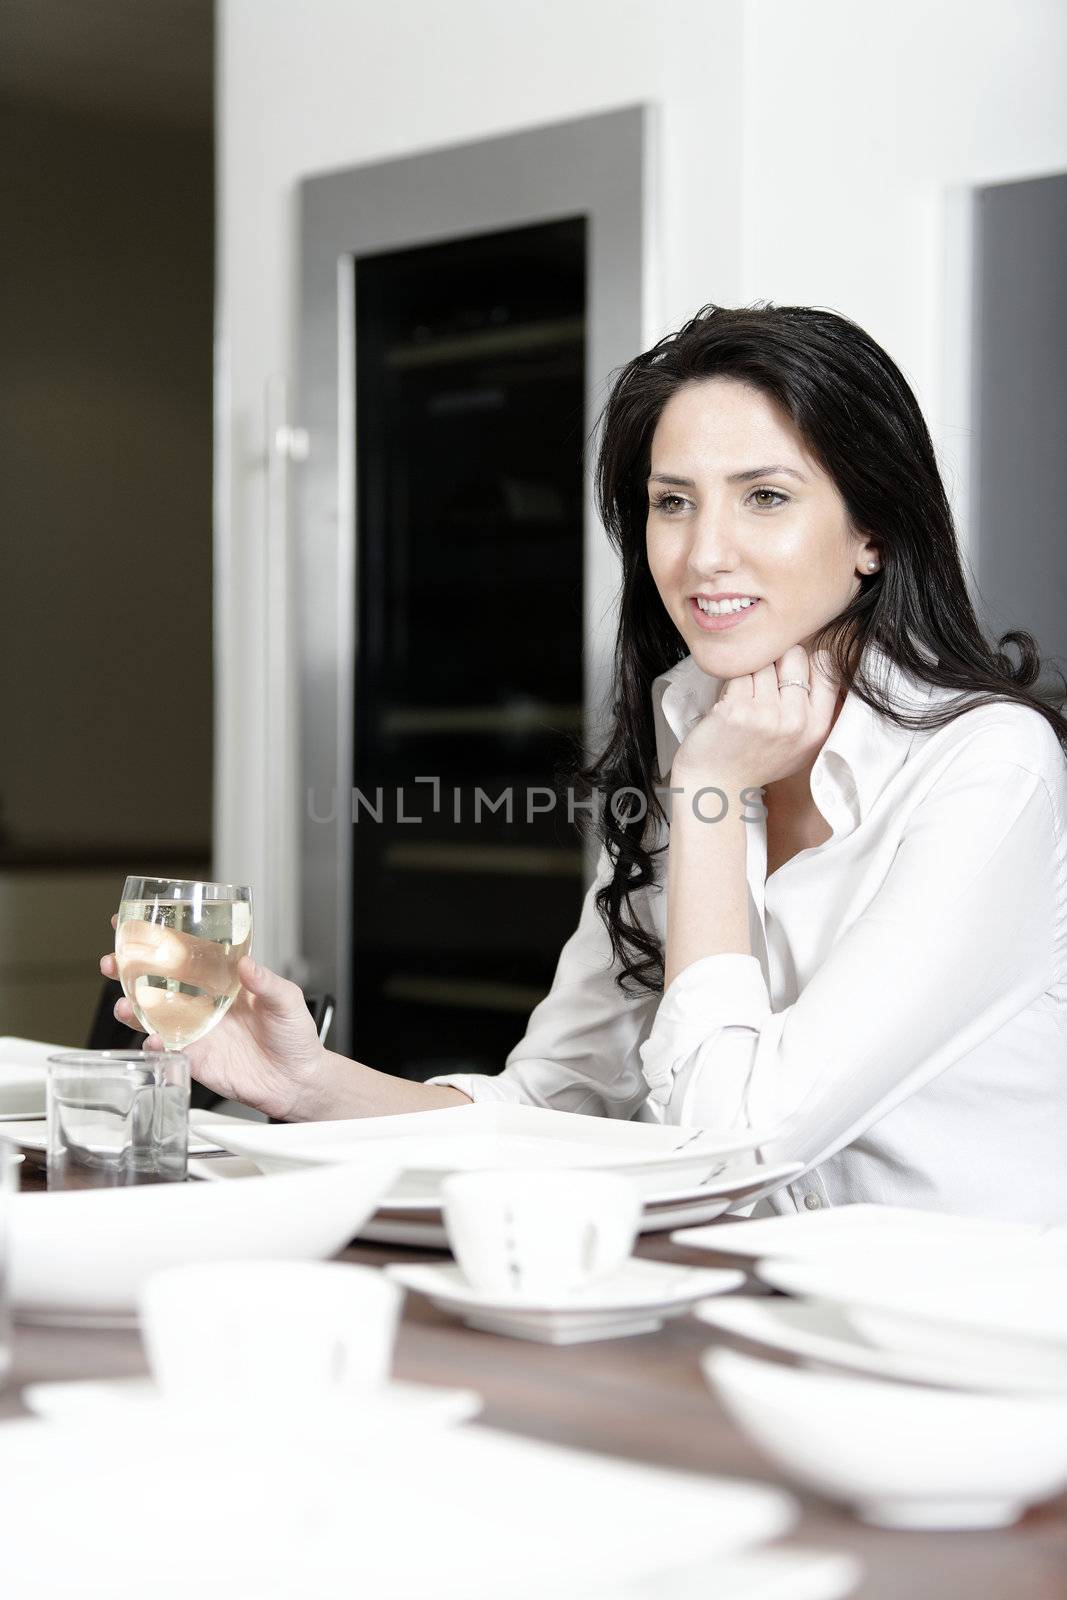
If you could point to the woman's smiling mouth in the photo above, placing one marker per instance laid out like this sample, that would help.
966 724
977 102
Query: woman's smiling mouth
713 616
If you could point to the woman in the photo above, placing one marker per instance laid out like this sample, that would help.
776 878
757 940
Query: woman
873 961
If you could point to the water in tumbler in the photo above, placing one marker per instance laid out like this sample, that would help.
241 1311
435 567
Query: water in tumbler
177 960
116 1117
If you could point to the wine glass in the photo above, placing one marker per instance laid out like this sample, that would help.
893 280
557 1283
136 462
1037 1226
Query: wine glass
177 945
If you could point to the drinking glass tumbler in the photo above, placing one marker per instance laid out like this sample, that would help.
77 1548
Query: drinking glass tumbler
117 1117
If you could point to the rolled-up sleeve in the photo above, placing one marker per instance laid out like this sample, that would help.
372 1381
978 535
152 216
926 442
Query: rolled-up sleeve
966 930
715 1008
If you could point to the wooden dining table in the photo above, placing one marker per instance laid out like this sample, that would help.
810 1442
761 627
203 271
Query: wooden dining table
641 1398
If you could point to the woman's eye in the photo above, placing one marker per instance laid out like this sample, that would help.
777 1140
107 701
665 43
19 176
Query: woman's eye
669 503
776 498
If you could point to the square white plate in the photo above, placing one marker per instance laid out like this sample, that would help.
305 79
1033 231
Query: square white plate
431 1144
348 1515
34 1136
419 1223
850 1233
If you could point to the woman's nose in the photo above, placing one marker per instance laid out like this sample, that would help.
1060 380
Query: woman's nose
713 547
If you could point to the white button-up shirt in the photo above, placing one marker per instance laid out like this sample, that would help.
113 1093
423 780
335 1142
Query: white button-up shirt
903 1016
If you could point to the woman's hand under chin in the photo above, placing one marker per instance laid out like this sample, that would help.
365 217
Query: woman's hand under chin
756 732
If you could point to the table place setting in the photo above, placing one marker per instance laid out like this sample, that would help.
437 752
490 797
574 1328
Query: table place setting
929 1384
547 1256
685 1175
295 1415
328 1327
272 1389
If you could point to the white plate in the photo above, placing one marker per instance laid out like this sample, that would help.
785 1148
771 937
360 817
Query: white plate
213 1167
850 1233
395 1405
430 1144
33 1135
783 1574
424 1229
23 1074
419 1224
819 1332
638 1299
337 1521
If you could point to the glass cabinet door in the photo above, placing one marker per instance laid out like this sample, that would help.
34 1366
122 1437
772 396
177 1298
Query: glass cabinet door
470 427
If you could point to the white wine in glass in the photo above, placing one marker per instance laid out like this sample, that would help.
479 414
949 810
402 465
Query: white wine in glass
177 945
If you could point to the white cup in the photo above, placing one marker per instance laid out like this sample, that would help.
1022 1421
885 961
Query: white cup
301 1334
546 1233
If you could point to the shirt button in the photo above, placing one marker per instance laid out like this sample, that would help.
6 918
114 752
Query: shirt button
812 1202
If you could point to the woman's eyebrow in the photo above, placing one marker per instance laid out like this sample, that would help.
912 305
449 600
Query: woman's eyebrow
743 476
764 472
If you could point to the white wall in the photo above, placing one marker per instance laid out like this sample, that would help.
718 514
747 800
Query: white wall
333 83
860 122
807 149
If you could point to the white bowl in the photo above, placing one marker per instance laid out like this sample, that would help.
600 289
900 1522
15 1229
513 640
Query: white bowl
84 1254
903 1456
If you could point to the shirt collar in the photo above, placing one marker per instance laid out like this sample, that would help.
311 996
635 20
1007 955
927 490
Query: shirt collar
862 751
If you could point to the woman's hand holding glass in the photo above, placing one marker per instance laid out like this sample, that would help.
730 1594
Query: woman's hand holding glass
261 1048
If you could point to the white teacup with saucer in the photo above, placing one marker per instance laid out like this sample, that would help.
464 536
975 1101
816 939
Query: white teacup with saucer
548 1233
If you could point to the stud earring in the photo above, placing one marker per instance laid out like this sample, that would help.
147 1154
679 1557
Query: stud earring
871 565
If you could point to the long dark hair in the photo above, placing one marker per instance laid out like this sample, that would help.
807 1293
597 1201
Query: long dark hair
859 418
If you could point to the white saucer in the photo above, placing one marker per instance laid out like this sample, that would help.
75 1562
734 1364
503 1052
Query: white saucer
638 1299
819 1332
394 1405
